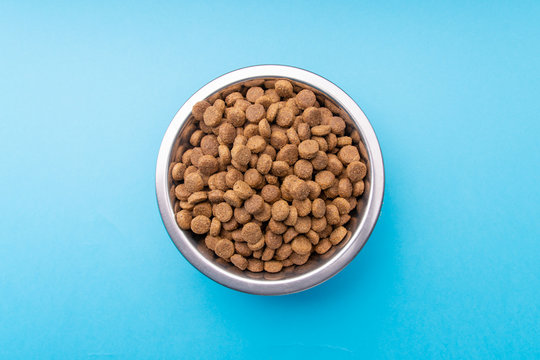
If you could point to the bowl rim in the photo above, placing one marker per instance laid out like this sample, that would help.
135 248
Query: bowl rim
319 274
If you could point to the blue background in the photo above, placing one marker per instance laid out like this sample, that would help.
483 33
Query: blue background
87 90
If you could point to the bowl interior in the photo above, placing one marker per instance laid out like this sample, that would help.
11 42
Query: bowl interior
181 144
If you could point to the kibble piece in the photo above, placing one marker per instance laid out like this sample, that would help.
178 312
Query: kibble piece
318 208
254 113
193 182
270 193
183 219
303 224
255 265
211 241
178 171
257 246
215 227
239 261
243 190
289 154
209 146
227 133
242 248
313 237
241 154
345 188
265 101
308 149
200 224
232 198
338 125
278 139
232 176
285 117
321 130
273 266
224 248
332 215
212 116
331 139
356 171
325 179
348 154
283 252
284 88
320 161
254 93
312 117
241 215
292 218
233 97
222 211
299 189
267 254
305 99
358 188
208 165
303 207
280 168
301 245
255 204
280 210
303 169
343 141
272 111
273 241
203 209
318 224
342 205
298 259
271 179
256 144
253 178
251 232
337 235
335 166
264 129
323 246
265 214
264 164
199 109
289 235
323 145
236 115
195 139
277 227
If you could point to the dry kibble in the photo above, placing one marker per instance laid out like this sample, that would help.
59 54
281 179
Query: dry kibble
200 224
356 171
270 174
239 261
222 211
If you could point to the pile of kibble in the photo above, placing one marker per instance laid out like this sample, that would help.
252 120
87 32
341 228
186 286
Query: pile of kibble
271 177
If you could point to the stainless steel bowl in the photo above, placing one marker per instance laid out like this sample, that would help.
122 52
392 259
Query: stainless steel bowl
321 267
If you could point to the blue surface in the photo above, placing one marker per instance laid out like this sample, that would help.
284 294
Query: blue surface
87 270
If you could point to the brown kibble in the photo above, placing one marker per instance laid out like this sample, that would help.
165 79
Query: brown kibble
303 169
181 192
289 154
345 188
255 204
267 254
232 98
271 179
299 189
338 235
264 164
280 210
178 171
293 137
253 178
358 188
292 218
284 88
318 224
338 125
308 149
277 227
209 146
236 115
348 154
222 211
325 179
215 227
321 130
303 207
202 209
313 236
243 190
283 252
195 139
272 111
265 101
273 95
199 109
265 214
280 168
301 245
303 224
270 193
251 233
331 140
312 116
254 113
224 248
194 182
211 241
332 215
183 219
254 93
208 164
289 235
342 205
318 208
241 215
335 166
273 266
200 224
273 241
212 116
320 161
239 261
256 144
264 129
305 99
255 265
257 246
227 133
242 248
323 246
343 141
232 176
278 139
356 171
232 198
285 117
241 154
298 259
314 189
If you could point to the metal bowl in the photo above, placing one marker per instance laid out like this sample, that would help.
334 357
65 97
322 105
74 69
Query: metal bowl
320 267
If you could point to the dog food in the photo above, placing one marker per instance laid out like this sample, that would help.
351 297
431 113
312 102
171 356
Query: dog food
271 177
